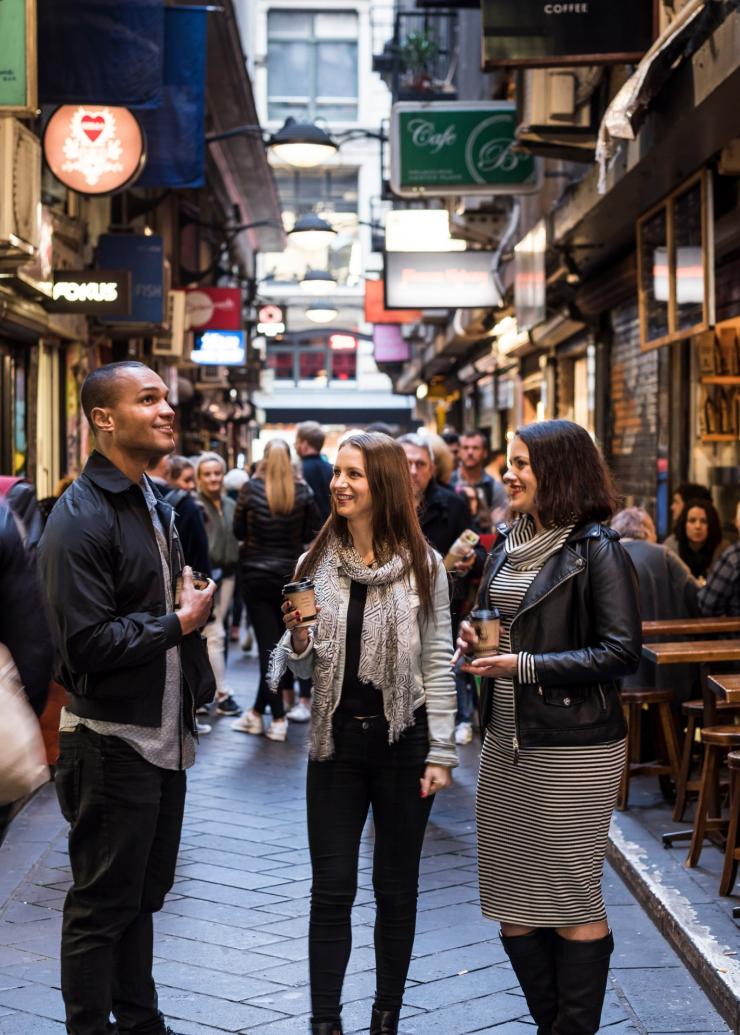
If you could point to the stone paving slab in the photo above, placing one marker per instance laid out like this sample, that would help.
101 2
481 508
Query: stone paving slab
231 942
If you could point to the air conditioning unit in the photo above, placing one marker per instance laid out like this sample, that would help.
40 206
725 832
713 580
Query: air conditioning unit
20 193
555 114
172 343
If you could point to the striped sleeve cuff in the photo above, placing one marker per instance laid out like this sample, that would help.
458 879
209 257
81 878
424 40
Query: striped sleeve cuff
526 672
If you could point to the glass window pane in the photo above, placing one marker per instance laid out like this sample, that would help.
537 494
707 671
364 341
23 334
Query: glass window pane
281 363
689 258
289 23
336 25
655 275
336 70
311 365
336 112
288 70
344 366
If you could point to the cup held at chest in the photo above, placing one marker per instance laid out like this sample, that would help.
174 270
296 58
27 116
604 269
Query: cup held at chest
487 625
302 597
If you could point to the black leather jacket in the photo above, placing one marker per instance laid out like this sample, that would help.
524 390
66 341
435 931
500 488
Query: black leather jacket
102 573
580 618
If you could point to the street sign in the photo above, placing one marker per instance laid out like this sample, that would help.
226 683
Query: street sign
91 292
447 280
18 88
94 150
458 147
143 256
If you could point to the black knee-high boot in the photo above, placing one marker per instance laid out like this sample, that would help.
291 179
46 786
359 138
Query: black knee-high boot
326 1028
384 1022
533 959
582 973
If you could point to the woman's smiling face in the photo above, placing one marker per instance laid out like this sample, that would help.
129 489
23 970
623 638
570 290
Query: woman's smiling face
520 482
350 490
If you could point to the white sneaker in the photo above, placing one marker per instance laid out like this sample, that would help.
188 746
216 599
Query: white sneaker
250 722
299 712
464 733
201 728
278 730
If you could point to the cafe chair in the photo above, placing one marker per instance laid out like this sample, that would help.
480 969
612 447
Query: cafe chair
656 703
685 786
732 848
717 740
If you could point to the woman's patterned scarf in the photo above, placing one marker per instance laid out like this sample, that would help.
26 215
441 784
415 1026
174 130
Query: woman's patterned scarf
385 651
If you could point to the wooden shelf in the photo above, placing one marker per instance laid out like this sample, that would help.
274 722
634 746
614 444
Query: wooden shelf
720 379
720 438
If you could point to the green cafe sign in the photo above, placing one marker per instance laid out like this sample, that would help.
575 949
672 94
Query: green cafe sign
18 57
454 147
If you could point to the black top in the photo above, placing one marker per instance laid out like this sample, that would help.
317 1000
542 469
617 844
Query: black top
358 698
272 543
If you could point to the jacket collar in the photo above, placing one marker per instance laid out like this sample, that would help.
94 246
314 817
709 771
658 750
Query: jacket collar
590 530
106 475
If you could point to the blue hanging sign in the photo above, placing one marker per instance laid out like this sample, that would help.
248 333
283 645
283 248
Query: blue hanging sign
143 256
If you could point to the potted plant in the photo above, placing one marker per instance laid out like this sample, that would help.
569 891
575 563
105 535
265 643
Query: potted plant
418 52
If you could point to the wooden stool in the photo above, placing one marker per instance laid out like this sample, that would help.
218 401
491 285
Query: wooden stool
732 848
717 740
632 703
694 712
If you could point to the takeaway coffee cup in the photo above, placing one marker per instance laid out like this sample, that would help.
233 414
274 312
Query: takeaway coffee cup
461 548
200 581
487 625
302 597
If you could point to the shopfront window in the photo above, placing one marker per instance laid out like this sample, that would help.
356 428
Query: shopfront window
281 364
312 65
312 365
344 366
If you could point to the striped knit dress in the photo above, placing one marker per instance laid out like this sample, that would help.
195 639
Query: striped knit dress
542 821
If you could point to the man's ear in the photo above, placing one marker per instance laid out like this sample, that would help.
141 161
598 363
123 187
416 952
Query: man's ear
102 419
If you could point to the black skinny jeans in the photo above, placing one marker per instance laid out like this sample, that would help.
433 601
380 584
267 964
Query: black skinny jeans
126 818
365 771
263 597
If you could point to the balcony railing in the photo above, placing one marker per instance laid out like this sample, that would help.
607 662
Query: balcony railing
420 62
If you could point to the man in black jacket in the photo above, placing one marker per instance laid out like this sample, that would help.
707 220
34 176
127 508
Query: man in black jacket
443 515
309 441
135 669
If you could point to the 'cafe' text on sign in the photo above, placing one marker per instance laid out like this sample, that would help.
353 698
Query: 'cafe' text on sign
458 147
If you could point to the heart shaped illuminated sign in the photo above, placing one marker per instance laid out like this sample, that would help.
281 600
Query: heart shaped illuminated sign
94 149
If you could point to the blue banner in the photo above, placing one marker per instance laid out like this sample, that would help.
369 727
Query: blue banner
101 52
175 132
143 256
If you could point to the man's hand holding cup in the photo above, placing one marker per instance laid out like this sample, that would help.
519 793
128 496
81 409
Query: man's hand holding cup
194 604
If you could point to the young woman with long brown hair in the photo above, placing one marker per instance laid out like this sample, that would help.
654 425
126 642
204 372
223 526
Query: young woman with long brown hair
554 731
382 733
275 518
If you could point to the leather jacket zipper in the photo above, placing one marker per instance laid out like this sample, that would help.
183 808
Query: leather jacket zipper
170 541
515 738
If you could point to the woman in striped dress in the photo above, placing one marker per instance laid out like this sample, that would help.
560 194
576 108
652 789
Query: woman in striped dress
554 730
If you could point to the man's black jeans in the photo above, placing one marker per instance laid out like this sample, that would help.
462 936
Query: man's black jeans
126 818
365 771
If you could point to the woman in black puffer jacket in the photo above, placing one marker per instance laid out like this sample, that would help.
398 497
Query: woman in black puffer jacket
276 517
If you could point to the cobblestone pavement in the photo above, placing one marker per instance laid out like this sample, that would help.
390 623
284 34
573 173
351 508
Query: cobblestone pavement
231 949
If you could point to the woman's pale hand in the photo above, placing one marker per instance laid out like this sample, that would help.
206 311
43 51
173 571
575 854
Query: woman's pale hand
435 778
299 637
494 666
466 638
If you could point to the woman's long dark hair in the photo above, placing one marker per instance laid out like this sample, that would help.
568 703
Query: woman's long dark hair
573 482
396 529
699 561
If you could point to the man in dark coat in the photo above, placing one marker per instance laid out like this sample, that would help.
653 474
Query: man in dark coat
135 670
309 441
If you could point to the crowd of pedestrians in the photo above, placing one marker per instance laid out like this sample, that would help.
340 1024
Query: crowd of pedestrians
149 560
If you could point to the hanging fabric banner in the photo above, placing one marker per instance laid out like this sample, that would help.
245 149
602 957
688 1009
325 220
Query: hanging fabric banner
175 131
101 52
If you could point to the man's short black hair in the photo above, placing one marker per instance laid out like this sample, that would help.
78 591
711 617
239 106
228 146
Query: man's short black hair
99 387
450 436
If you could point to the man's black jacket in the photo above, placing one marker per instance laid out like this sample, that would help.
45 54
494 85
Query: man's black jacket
23 626
318 473
102 572
444 514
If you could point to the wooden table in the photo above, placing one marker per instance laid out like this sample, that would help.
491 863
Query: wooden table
725 687
691 627
702 653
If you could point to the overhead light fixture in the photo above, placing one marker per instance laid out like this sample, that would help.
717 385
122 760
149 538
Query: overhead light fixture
302 144
321 311
312 232
316 282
